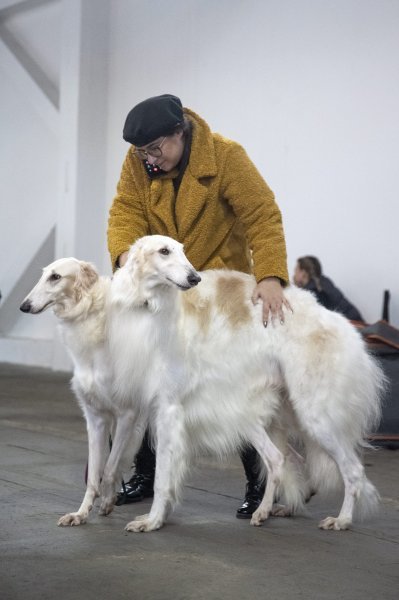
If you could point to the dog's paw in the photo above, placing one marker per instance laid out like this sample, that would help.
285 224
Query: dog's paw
334 523
141 517
280 510
71 519
144 525
259 516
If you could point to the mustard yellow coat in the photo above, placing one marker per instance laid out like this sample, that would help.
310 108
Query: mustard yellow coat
223 209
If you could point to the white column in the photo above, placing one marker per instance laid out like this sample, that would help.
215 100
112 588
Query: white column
83 103
83 118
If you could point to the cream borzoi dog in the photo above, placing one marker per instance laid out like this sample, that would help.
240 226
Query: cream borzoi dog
78 297
202 369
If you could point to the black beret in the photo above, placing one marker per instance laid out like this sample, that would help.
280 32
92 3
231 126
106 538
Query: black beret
152 118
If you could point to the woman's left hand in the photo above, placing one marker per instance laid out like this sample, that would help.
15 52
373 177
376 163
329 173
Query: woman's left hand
270 291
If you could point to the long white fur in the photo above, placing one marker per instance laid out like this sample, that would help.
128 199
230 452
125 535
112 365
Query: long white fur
206 381
78 296
310 378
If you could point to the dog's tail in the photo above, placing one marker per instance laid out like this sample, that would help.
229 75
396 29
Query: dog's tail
368 500
372 385
322 471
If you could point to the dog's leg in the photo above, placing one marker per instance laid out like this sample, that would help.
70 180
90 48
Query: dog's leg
170 468
274 461
356 484
129 433
332 447
98 431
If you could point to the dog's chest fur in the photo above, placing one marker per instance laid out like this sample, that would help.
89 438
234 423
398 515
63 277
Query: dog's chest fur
86 342
141 348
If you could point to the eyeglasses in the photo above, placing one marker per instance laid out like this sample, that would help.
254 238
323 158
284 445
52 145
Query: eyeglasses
154 151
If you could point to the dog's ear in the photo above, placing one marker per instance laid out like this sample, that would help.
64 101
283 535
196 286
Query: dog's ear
136 258
134 250
86 277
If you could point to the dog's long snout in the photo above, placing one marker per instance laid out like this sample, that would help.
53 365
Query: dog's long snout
26 306
193 278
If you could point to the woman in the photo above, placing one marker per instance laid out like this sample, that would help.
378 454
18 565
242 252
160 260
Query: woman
308 275
180 179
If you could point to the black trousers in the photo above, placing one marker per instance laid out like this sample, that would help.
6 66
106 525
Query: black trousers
145 460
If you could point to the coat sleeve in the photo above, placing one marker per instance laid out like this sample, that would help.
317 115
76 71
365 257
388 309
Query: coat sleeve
254 205
127 220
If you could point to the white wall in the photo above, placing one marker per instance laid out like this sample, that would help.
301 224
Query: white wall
29 180
309 87
53 63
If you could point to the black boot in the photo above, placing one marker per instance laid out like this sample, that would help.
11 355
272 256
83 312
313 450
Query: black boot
141 485
255 486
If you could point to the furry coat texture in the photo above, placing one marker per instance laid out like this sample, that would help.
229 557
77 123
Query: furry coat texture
223 208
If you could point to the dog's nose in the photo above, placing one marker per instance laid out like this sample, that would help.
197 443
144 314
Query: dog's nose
193 279
26 306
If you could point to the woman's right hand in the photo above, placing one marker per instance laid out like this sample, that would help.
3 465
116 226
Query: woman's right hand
122 258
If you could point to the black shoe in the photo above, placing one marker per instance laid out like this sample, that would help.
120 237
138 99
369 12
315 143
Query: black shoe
136 489
253 498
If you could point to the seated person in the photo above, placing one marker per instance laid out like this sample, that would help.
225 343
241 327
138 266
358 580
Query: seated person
308 275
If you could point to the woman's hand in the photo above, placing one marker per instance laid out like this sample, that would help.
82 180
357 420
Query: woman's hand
122 259
270 291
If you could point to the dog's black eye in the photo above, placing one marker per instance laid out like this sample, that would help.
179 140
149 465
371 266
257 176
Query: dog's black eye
164 251
54 277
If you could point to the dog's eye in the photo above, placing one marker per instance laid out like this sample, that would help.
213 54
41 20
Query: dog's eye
54 277
164 251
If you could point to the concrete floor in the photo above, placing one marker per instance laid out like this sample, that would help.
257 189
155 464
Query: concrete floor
204 552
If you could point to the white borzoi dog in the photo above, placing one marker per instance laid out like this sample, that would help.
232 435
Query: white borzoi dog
200 367
78 297
211 377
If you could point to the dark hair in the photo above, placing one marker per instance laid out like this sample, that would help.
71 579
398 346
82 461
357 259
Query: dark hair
184 126
312 266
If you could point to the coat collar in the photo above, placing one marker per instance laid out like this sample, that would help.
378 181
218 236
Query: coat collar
202 161
177 217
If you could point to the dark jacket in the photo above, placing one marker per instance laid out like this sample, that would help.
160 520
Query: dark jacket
333 299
